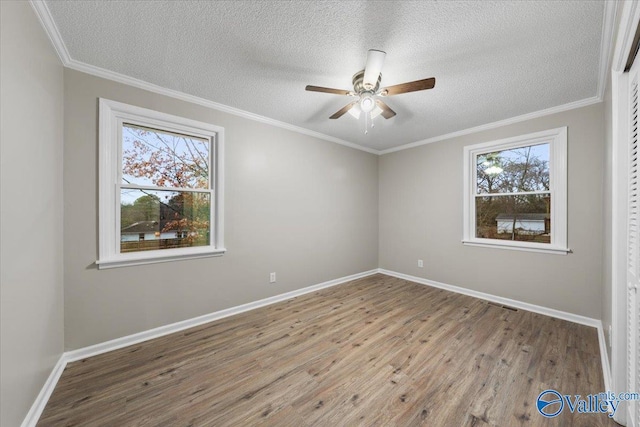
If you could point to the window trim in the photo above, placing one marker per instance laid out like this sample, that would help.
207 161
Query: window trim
557 138
112 115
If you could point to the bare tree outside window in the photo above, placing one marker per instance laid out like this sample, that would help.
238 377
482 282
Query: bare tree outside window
513 200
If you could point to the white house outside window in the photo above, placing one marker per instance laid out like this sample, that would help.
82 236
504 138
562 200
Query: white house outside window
161 187
516 192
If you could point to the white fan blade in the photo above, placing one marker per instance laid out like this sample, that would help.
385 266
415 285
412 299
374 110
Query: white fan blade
375 59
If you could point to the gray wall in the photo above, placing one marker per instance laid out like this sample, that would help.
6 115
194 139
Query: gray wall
31 110
421 197
302 207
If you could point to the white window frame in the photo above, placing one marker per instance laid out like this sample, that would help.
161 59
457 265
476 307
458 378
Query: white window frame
112 116
557 138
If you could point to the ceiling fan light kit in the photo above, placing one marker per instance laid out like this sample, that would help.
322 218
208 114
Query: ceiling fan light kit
366 86
355 111
366 102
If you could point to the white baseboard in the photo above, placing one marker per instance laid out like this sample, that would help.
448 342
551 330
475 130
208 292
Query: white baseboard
604 358
45 393
575 318
588 321
83 353
74 355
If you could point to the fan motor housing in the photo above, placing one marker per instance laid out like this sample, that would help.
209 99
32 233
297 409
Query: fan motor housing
358 86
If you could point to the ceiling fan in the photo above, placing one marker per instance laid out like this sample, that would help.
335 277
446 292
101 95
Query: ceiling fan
366 87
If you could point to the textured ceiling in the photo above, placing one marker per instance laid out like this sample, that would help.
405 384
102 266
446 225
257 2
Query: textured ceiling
493 60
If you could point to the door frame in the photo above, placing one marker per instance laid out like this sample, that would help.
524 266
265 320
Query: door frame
629 18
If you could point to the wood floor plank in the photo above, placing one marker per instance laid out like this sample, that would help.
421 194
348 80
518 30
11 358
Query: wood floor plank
377 351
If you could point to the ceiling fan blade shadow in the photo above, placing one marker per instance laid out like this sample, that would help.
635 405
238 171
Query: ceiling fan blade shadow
375 60
387 112
343 110
409 87
311 88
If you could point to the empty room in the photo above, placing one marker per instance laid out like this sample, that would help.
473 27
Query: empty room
319 213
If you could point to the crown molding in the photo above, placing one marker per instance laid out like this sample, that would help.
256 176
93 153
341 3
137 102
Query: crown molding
50 27
141 84
44 15
540 113
606 45
628 24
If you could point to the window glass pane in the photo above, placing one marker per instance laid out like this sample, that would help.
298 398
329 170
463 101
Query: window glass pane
523 218
151 220
157 158
514 170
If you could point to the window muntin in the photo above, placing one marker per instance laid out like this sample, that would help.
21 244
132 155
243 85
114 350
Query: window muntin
161 187
515 192
513 201
153 159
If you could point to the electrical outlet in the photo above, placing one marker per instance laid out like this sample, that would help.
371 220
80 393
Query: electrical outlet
420 263
272 278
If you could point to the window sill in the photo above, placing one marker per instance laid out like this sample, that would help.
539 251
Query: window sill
531 247
154 257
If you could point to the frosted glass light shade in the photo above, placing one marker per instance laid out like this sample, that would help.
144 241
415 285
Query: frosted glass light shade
355 111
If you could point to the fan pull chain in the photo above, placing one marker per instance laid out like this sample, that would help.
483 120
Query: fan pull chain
368 123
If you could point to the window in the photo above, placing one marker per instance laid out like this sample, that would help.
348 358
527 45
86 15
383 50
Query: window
516 193
161 187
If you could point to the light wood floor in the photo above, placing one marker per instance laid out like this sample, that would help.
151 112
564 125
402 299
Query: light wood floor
378 351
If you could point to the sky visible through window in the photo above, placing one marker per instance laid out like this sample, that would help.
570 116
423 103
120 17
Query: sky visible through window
540 151
513 201
513 170
155 158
